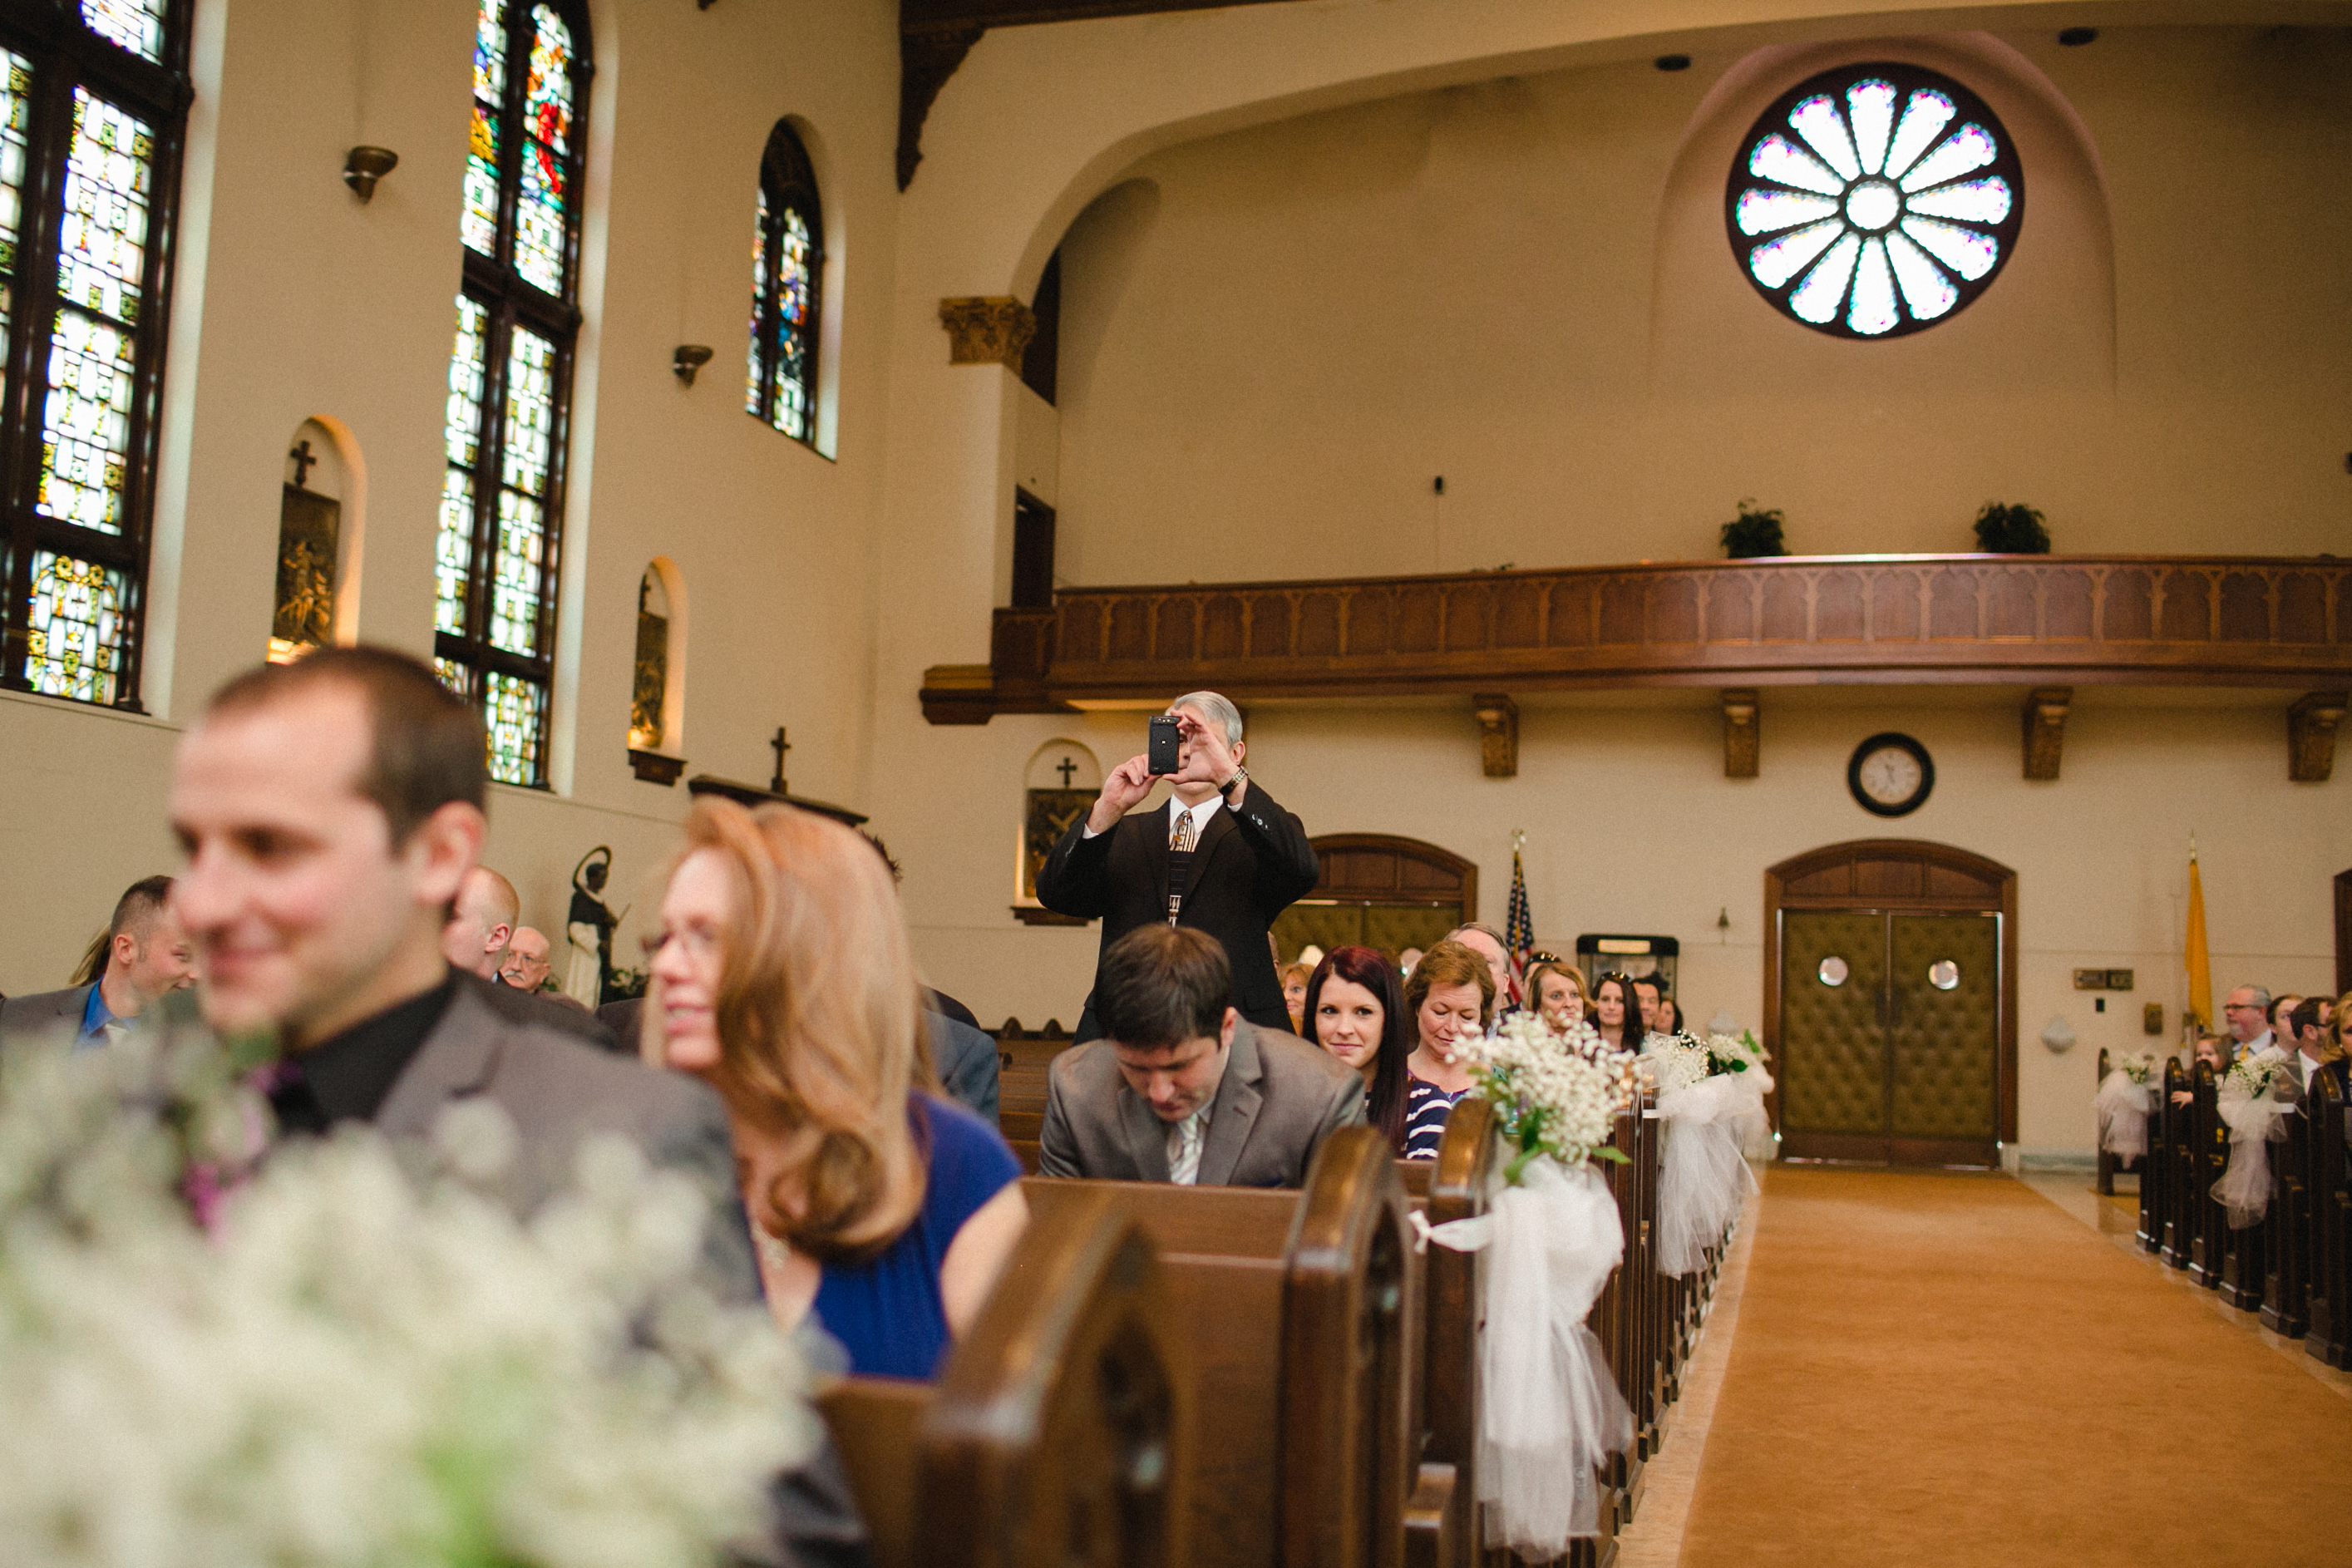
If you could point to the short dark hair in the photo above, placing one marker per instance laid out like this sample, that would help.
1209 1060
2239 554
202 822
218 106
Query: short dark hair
1652 981
2307 1015
1160 985
425 743
136 907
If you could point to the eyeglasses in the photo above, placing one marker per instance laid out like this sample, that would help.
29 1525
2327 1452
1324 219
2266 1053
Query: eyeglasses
2239 1007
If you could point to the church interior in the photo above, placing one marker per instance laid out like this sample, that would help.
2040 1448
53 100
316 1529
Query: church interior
888 406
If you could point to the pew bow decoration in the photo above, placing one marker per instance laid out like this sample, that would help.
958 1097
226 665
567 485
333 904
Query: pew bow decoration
2245 1102
362 1359
1707 1091
1552 1412
2124 1099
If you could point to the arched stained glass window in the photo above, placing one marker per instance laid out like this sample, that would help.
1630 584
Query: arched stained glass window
93 105
510 377
787 264
1875 200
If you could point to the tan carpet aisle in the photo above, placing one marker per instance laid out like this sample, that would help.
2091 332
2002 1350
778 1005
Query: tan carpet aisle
1947 1370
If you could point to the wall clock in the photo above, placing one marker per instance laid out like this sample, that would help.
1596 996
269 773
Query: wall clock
1890 774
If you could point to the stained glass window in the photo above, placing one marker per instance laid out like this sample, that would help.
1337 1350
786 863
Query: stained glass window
1875 200
510 377
78 268
787 263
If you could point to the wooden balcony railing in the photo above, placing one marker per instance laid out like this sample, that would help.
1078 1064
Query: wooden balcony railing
1988 619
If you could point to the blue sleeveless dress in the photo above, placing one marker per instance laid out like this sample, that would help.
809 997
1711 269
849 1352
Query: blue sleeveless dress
887 1312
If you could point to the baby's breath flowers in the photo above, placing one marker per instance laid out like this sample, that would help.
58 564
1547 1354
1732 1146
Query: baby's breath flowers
1554 1093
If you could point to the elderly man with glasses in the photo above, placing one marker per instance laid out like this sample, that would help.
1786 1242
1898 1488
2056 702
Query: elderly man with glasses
2245 1012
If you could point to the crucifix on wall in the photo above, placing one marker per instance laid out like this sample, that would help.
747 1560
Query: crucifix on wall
779 745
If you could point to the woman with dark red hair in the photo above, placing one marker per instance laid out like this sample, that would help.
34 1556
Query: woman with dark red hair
1355 1010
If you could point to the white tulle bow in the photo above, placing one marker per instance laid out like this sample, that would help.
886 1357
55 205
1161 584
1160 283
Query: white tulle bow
2122 1106
1553 1413
2252 1118
1702 1177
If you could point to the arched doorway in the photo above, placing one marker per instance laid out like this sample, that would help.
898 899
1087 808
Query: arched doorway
1382 892
1890 1003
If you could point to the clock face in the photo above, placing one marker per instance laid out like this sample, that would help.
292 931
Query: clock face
1890 774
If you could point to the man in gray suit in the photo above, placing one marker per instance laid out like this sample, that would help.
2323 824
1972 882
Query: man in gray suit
1180 1087
143 957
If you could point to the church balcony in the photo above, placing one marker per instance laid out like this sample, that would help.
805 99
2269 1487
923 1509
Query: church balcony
1792 620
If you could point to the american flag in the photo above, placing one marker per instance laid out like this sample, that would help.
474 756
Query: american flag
1519 925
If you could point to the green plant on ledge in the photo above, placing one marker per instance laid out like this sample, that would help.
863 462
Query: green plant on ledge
2011 531
1753 533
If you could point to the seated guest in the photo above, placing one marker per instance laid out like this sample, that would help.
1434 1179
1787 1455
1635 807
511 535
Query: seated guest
142 956
1651 993
1557 991
1179 1087
1450 998
2279 1016
1617 1012
781 976
2220 1050
1294 995
1488 943
2317 1049
1356 1011
525 966
475 938
1669 1018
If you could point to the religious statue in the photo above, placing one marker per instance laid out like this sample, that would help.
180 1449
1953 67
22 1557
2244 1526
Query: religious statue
589 929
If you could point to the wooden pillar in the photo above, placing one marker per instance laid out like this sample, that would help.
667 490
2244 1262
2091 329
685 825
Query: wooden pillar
1498 735
2311 736
2045 730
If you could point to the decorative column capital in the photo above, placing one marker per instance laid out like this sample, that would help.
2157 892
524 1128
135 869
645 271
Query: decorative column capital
987 329
1498 735
1743 744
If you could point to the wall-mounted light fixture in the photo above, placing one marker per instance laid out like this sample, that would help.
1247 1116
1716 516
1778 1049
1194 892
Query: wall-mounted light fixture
689 358
364 166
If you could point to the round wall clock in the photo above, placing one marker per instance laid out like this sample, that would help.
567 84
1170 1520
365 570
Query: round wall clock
1890 774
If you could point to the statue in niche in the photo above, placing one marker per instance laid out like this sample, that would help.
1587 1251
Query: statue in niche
652 683
588 979
308 525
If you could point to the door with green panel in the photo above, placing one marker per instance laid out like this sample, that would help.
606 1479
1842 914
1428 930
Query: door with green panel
1889 1037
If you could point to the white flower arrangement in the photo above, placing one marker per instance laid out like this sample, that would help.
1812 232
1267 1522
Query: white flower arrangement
1554 1093
360 1366
2249 1077
1678 1061
2139 1069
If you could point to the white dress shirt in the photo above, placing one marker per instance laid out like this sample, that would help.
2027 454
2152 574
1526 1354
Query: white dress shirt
1200 815
1185 1140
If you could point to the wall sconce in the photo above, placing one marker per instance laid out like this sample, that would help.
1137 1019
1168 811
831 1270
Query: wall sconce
689 358
364 166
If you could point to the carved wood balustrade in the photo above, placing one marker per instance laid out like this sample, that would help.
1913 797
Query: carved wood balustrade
1984 619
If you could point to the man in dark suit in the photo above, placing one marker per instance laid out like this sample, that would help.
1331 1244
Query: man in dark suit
331 811
143 957
1222 858
1180 1089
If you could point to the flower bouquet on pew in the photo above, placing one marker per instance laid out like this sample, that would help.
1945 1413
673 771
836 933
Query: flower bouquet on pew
2122 1103
1553 1413
363 1360
1707 1090
2246 1101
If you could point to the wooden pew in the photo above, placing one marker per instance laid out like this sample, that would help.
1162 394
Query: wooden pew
1302 1314
2330 1179
2108 1163
1061 1430
2242 1251
2155 1171
2287 1233
2183 1160
1023 1056
1454 1314
2208 1143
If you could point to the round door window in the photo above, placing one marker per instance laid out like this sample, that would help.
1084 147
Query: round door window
1833 971
1943 975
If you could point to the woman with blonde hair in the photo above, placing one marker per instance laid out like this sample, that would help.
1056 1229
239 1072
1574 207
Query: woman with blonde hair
1451 996
1295 978
1557 990
782 975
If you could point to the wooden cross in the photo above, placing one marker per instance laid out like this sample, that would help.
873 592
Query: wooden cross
303 463
779 746
1066 768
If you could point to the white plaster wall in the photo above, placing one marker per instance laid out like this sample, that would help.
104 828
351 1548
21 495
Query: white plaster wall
296 300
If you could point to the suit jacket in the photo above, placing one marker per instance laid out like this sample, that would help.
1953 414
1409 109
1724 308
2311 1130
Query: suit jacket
44 1012
624 1018
561 1013
1248 867
1278 1098
965 1059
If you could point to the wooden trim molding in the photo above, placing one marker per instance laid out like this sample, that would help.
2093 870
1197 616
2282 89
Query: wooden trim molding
1450 878
1897 874
2045 730
2043 620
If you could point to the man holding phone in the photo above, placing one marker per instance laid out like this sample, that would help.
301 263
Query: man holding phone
1220 857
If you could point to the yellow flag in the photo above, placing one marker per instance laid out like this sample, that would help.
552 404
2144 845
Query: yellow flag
2200 969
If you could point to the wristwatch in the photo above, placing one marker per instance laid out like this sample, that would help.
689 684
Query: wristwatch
1239 775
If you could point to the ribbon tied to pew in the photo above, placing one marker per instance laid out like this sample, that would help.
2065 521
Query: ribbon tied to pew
1552 1413
2123 1105
1702 1178
2247 1105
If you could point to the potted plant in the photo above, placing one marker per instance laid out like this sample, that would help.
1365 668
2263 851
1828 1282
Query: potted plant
2003 530
1753 533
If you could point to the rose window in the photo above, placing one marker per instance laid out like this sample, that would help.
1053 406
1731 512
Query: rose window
1871 201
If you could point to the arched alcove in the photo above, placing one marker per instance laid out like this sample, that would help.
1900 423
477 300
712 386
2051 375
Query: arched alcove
1058 786
657 675
1382 892
832 283
322 521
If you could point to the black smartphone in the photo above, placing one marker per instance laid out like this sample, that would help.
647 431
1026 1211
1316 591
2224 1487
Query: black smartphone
1167 741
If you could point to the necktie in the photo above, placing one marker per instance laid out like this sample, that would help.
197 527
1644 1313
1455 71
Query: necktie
1180 869
1181 841
1184 1165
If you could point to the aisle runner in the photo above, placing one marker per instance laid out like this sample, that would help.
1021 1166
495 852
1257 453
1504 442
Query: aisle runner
1947 1369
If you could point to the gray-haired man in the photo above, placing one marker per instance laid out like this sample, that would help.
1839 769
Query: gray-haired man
1220 857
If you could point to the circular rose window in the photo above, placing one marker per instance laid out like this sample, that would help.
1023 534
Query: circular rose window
1871 201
